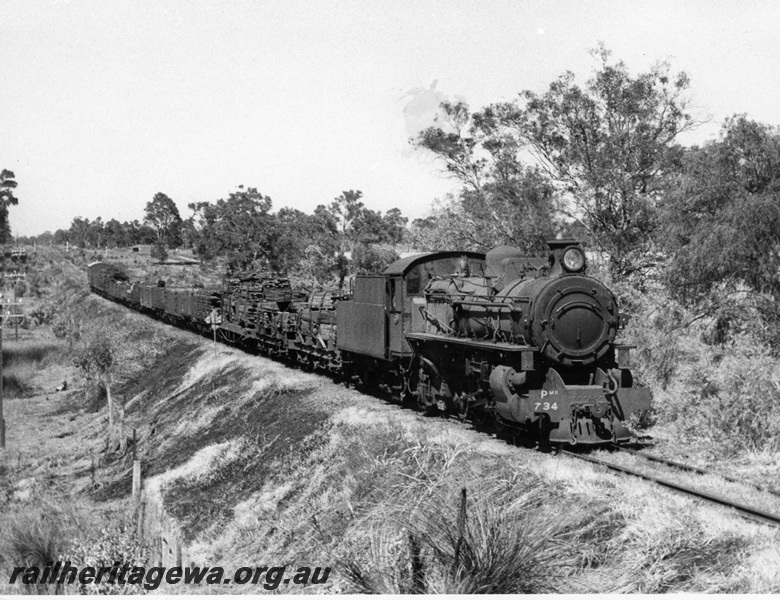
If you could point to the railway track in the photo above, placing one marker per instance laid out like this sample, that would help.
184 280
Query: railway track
743 510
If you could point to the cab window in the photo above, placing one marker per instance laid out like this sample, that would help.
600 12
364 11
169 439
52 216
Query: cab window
391 292
413 282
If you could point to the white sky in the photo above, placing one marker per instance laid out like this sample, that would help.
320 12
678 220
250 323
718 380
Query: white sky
105 103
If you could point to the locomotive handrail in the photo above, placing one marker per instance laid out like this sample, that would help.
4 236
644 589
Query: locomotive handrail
434 319
475 301
509 305
444 295
511 347
480 303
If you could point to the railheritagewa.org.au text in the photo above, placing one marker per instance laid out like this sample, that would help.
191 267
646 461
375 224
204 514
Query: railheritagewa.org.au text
270 578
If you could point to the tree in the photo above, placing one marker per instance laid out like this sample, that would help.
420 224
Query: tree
110 353
721 217
295 233
315 268
609 146
189 232
345 209
351 224
163 216
502 201
372 261
99 358
394 225
7 198
78 233
115 234
140 233
159 252
61 237
95 233
240 227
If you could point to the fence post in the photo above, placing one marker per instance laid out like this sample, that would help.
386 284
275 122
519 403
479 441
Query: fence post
141 517
179 560
136 472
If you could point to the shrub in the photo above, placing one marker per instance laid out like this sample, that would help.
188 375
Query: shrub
15 385
43 314
67 530
727 397
110 545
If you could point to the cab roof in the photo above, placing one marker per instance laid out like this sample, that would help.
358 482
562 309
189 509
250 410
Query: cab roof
404 265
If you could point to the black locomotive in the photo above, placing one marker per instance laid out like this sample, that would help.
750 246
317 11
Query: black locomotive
527 343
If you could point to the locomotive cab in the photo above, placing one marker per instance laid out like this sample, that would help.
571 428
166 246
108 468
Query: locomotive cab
373 327
385 308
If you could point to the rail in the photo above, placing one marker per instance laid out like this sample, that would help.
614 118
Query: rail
692 469
742 509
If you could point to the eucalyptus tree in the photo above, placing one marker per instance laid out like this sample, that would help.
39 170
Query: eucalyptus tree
8 198
162 214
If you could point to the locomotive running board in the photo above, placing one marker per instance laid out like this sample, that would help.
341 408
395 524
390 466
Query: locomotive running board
468 342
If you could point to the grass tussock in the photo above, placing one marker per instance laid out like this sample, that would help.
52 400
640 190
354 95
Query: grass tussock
63 529
31 539
413 519
487 544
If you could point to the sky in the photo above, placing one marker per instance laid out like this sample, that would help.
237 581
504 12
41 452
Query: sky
105 103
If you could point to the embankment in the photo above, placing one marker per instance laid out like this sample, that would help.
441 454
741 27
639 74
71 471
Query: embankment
249 463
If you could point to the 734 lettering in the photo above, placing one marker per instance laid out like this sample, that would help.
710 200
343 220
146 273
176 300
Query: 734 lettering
545 406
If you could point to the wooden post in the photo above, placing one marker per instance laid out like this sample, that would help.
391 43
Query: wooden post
141 517
136 471
178 560
136 480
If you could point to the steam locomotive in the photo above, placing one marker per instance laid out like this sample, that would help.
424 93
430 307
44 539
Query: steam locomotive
523 342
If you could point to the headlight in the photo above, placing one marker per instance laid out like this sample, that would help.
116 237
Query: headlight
573 259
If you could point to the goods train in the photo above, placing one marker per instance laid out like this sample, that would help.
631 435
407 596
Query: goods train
524 342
